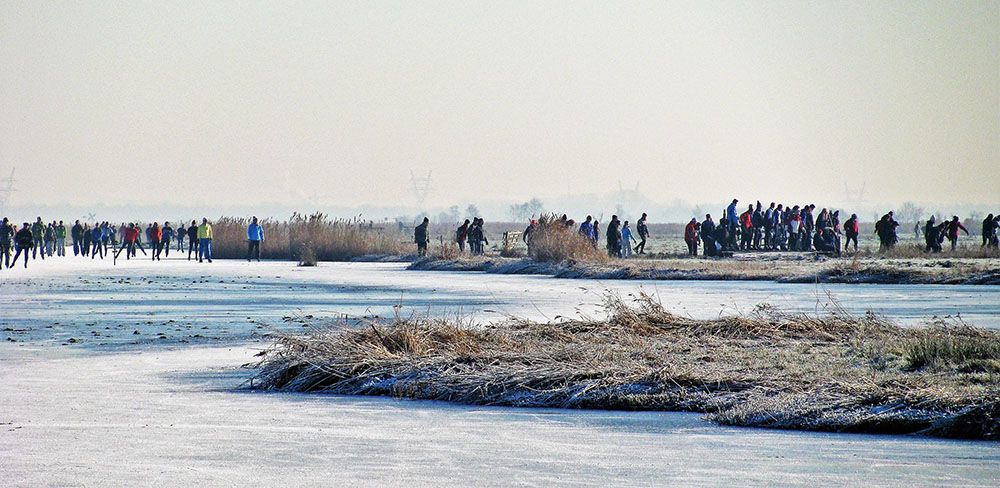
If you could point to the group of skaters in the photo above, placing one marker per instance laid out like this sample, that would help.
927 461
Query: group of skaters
620 241
102 239
782 228
775 228
935 233
470 234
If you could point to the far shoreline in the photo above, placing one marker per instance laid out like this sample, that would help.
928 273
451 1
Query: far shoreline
761 267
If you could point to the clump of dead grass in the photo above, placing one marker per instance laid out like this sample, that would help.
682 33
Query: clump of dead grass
553 241
953 346
767 368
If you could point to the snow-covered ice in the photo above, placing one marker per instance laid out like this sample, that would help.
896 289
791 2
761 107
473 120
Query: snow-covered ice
169 417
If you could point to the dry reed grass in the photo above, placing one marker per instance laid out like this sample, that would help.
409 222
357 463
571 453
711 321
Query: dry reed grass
835 372
552 241
969 250
325 238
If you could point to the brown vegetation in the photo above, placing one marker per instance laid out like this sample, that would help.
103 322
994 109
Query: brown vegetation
917 250
769 369
799 268
295 239
553 242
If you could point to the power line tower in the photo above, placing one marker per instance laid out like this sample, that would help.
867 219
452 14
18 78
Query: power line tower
6 188
855 196
420 186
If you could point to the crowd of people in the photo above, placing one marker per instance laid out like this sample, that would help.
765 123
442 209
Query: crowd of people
39 240
775 228
472 232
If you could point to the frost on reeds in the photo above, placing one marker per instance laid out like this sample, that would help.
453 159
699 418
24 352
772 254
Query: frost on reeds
324 238
835 372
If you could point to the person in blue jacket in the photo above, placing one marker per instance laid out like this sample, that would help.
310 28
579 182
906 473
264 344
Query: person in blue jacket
255 235
168 234
587 228
97 247
732 220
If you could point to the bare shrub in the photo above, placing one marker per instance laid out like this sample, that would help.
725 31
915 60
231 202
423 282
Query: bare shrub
446 250
307 257
553 241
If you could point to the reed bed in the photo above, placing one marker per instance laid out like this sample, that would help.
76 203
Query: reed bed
552 241
309 238
835 372
970 249
771 267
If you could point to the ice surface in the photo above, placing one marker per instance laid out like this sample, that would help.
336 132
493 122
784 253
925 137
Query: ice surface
178 301
164 417
115 408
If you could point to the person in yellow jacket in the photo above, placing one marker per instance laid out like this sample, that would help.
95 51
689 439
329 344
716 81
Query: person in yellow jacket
204 241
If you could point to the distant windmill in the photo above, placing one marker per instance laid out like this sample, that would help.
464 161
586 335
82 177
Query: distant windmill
6 188
90 217
420 186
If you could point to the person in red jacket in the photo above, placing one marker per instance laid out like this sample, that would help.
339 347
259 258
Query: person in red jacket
691 237
953 226
156 241
746 229
851 230
130 239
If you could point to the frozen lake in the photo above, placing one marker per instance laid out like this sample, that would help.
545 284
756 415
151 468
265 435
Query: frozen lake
138 301
147 392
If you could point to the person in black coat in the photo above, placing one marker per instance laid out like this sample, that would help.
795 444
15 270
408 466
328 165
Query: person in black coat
614 237
708 235
722 235
989 230
932 236
420 237
24 241
192 238
6 237
76 233
462 235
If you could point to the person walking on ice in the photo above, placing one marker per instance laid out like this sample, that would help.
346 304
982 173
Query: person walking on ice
38 239
130 239
181 235
96 241
24 240
61 239
192 234
168 234
204 241
155 234
7 232
255 236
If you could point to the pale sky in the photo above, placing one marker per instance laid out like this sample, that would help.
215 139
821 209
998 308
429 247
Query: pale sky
215 103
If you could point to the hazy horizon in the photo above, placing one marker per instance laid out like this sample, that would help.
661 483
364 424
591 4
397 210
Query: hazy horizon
335 103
